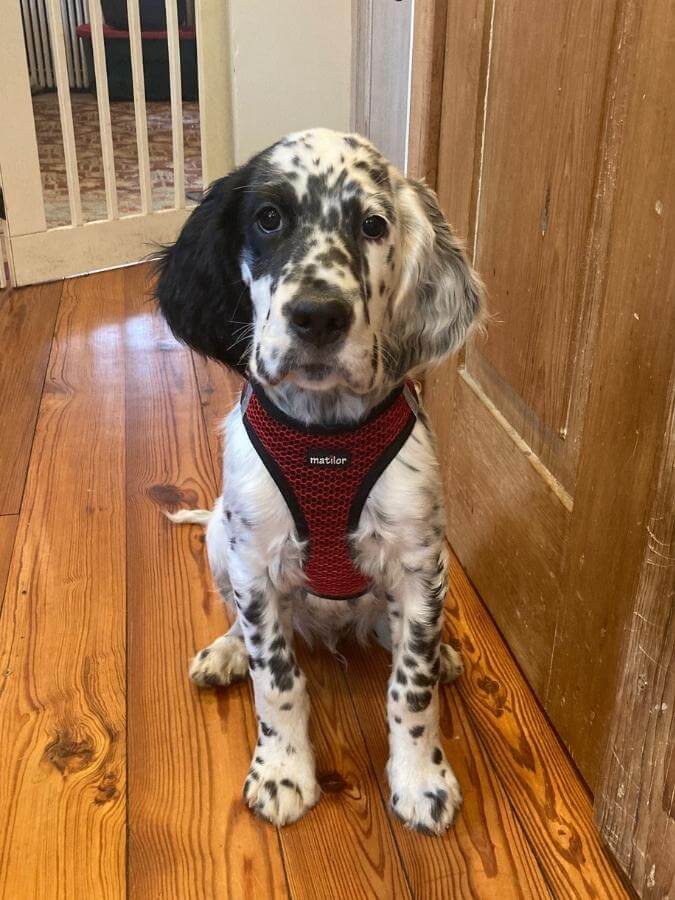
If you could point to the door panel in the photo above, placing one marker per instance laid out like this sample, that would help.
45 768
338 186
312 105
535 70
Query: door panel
545 92
491 526
553 162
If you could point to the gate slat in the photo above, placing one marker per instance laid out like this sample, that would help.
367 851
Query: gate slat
103 100
56 33
139 105
215 99
173 39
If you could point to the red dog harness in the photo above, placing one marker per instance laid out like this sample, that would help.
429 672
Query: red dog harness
325 476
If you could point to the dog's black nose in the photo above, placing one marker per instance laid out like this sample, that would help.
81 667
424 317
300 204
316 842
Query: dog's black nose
319 322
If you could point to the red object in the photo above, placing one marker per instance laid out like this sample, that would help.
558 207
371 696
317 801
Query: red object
325 476
84 31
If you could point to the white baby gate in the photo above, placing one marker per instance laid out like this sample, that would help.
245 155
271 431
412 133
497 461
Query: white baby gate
37 252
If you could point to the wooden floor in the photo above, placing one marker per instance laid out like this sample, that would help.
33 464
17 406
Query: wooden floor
118 777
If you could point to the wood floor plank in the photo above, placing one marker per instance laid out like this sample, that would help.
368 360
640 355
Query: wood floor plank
190 834
543 787
485 853
8 526
343 848
62 635
27 317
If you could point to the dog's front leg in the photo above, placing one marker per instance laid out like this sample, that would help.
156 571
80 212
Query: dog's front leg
424 791
281 784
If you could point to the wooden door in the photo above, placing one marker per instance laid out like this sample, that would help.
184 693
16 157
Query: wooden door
554 159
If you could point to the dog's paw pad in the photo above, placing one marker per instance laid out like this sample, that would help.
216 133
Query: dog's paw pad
425 797
451 664
281 790
221 663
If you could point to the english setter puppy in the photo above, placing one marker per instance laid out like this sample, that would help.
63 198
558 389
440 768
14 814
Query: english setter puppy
328 279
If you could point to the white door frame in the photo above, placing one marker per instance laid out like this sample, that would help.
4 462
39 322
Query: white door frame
382 37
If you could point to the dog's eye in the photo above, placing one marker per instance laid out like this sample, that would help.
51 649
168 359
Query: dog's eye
269 219
374 227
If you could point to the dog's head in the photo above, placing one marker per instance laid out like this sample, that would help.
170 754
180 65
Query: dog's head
319 263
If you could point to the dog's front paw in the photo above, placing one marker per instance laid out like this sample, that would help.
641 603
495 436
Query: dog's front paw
281 785
221 663
425 794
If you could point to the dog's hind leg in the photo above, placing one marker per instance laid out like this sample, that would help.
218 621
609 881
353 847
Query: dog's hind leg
222 662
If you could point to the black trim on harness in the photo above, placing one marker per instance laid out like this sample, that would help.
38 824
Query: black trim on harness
378 467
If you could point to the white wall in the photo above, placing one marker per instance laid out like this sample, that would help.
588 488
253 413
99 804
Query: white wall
291 68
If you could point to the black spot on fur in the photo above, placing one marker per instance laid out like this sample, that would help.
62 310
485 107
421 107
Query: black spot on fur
423 641
254 611
418 702
401 677
281 669
417 731
439 800
271 788
437 756
421 680
267 730
279 643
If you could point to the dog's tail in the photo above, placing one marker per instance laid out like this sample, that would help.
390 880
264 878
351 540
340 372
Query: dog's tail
193 516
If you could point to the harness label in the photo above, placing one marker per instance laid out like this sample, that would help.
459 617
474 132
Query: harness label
328 459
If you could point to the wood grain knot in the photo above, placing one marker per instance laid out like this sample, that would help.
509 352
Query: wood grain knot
487 684
107 789
172 495
69 755
332 782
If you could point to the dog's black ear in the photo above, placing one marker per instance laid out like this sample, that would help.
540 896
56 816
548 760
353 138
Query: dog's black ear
199 286
440 297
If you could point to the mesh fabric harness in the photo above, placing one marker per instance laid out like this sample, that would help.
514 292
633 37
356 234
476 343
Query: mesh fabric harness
325 476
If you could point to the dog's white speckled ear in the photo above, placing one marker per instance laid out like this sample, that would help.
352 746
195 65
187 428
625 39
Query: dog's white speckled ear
440 297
